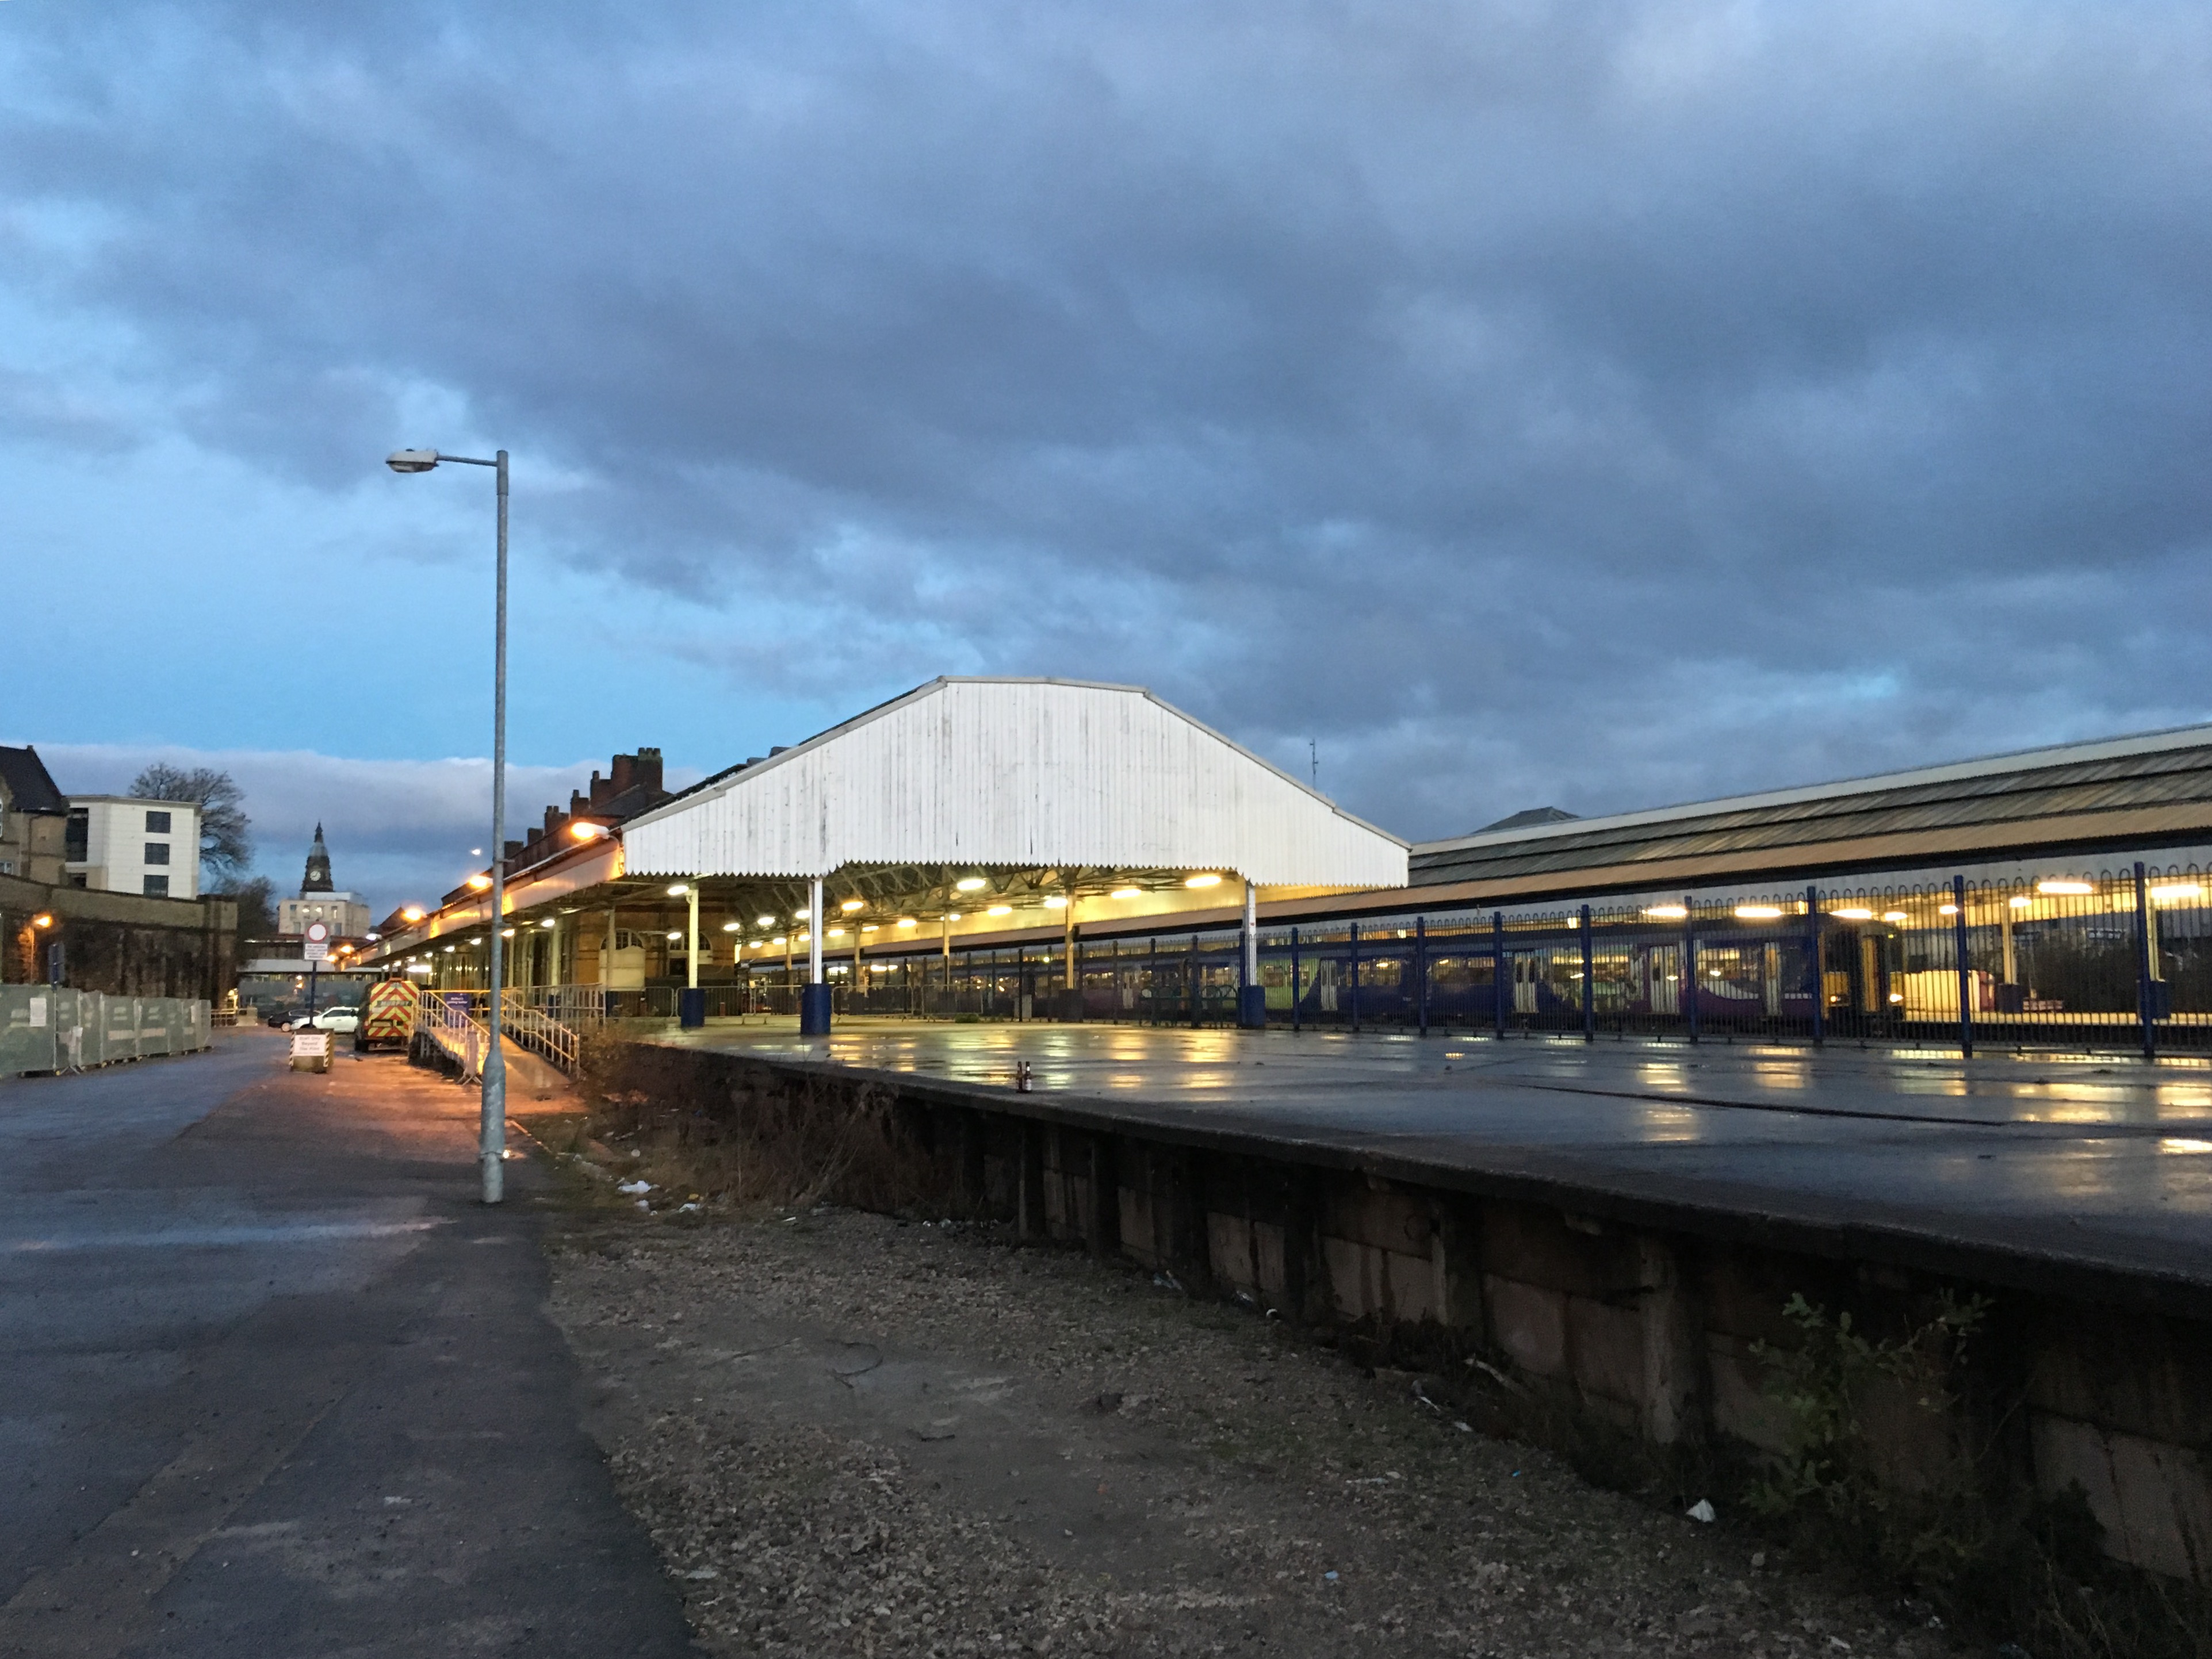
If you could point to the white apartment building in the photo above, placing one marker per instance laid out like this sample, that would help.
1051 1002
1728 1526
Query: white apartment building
120 844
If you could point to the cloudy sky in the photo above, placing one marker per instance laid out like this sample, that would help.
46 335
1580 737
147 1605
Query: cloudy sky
1590 404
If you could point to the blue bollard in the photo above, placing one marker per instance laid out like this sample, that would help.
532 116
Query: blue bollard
814 1011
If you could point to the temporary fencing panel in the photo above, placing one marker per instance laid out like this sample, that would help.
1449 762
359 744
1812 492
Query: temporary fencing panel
50 1029
27 1037
118 1030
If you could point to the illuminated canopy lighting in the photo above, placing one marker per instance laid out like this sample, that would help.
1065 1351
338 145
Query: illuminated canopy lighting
1201 881
480 882
450 949
870 928
763 922
952 915
2065 887
906 921
2019 902
778 939
732 927
2175 892
1758 912
506 932
672 934
799 915
1853 913
1126 893
851 905
548 922
1668 912
969 884
412 913
835 933
1946 910
1055 902
1893 915
680 889
1001 911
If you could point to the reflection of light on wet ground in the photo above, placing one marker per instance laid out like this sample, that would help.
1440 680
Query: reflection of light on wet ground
1477 1081
2173 1144
1668 1124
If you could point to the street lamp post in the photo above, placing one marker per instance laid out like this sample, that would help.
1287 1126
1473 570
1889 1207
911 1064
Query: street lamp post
491 1122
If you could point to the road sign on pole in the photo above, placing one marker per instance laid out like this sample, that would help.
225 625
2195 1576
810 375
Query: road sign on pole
319 943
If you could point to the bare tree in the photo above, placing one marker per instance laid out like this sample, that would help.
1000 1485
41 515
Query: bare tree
226 845
257 907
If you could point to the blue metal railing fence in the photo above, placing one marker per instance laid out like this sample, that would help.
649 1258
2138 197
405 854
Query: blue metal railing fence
2115 955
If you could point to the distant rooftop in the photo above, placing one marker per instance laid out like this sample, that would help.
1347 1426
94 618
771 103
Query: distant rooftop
30 787
1534 815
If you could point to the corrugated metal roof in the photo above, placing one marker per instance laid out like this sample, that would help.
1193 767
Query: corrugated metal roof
2007 794
1037 773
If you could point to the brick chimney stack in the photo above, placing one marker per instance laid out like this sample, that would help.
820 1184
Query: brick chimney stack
625 773
648 769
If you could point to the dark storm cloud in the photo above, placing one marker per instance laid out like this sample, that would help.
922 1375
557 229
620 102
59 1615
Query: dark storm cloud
1597 404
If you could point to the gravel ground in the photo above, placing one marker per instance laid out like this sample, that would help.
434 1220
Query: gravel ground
854 1435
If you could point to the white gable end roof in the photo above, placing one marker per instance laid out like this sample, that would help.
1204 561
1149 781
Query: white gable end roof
1019 773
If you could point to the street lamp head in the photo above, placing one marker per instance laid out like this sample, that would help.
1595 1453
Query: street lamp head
411 460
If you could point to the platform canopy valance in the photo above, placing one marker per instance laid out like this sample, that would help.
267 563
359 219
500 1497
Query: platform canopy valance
1014 773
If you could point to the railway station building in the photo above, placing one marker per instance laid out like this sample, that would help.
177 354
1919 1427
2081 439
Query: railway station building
1019 849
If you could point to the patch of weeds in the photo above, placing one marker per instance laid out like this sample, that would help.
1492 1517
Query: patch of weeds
743 1137
1878 1472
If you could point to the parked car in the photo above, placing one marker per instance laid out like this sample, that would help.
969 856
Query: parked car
344 1019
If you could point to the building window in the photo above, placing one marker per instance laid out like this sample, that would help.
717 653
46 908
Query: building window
77 836
157 823
157 852
157 887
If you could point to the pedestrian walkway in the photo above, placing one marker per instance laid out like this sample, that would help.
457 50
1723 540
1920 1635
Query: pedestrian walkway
278 1385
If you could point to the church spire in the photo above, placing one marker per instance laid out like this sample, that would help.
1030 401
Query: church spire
317 879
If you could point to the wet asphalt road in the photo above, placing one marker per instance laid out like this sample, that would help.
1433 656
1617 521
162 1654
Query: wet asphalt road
278 1385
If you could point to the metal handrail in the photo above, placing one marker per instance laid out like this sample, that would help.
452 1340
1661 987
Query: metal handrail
539 1031
460 1037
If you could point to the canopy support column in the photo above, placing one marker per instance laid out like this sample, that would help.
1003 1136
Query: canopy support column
1071 994
693 1013
814 1000
1252 996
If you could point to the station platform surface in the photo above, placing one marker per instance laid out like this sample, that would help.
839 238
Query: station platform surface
2084 1173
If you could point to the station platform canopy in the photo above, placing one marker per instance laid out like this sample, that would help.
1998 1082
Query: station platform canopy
1013 789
